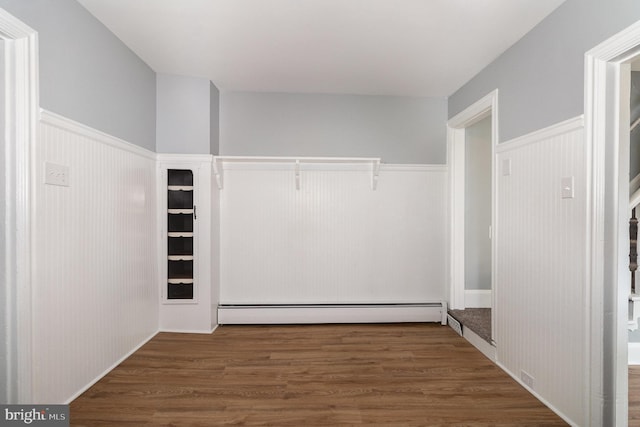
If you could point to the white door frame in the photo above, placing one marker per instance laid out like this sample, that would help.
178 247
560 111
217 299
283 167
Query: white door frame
456 136
21 109
607 139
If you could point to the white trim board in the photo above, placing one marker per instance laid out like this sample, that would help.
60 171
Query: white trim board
280 314
484 347
634 353
183 158
189 331
477 298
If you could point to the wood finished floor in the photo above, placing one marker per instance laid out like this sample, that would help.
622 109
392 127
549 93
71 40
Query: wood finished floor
397 374
634 396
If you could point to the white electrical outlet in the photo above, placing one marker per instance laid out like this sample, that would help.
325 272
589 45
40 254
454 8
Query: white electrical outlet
56 174
526 379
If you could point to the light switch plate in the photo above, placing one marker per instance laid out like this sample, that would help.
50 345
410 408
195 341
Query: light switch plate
506 167
56 174
568 190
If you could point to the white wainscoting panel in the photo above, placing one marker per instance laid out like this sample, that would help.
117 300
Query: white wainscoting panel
335 240
95 293
541 264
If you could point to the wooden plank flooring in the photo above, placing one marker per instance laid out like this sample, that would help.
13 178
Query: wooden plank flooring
634 396
397 374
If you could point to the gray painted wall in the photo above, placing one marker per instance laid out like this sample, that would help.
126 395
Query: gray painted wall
398 129
541 78
477 219
87 74
183 122
214 119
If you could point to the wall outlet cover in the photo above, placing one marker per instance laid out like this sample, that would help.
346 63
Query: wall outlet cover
527 379
55 174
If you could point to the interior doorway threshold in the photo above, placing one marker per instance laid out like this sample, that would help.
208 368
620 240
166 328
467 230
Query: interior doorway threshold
476 328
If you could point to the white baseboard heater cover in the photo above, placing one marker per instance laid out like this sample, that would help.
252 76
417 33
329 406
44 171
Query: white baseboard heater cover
339 313
455 325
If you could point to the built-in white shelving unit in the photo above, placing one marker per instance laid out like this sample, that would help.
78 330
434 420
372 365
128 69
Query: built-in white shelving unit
180 226
185 264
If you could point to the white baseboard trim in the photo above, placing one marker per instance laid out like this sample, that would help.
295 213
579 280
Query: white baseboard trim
477 298
109 369
634 353
298 314
485 348
189 331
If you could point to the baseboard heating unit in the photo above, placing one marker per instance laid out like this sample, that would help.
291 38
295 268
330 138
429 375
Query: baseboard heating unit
338 313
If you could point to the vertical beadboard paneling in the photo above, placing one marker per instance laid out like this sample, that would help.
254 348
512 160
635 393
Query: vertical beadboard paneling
541 265
334 240
95 295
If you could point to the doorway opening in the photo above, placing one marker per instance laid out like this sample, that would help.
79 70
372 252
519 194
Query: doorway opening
472 136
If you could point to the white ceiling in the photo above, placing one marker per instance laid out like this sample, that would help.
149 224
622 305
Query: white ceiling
389 47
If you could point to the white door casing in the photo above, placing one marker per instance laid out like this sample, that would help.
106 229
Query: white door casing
456 130
21 106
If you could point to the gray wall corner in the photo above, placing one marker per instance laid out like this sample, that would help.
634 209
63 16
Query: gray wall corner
183 114
214 119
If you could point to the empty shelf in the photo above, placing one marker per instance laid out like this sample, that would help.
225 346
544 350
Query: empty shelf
180 281
180 257
180 234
